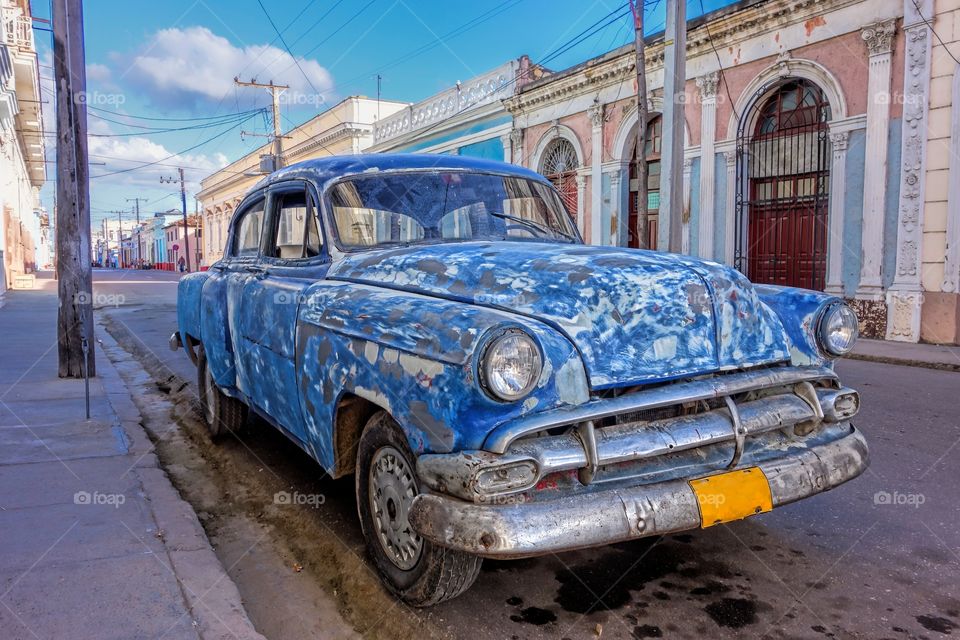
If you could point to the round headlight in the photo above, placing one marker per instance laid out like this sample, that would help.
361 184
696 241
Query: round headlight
511 366
838 330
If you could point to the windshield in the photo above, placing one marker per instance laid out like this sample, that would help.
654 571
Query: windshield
420 207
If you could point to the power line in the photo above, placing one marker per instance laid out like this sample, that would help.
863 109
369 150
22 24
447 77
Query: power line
723 75
199 118
156 130
413 53
172 155
937 35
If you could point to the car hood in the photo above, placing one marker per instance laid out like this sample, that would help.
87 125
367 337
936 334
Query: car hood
635 316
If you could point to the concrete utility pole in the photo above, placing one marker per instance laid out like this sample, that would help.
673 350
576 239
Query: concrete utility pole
119 240
636 6
186 226
674 98
74 268
137 201
275 91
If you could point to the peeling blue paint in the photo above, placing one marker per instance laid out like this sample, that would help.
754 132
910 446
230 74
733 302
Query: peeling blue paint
405 328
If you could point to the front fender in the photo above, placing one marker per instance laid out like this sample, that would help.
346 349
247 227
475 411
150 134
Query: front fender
799 311
416 357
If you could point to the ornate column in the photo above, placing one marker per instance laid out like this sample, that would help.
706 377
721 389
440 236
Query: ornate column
879 39
516 146
730 228
596 179
581 187
615 211
685 219
708 132
903 304
838 187
507 147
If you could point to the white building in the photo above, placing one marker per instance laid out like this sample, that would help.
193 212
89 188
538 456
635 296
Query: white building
23 224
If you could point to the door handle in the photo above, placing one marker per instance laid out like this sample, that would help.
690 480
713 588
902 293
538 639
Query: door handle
257 271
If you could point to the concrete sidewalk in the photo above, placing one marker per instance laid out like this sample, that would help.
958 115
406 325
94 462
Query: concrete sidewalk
94 540
933 356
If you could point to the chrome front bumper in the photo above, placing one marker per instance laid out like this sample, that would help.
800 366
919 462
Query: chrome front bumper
830 458
619 468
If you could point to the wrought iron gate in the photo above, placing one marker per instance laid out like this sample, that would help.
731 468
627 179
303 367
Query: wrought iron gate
782 188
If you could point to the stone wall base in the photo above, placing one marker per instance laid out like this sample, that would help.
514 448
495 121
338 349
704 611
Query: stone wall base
872 315
940 318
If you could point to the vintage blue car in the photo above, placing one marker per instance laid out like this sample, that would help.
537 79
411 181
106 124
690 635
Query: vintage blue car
435 326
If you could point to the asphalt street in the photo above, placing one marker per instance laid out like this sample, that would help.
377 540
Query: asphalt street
876 558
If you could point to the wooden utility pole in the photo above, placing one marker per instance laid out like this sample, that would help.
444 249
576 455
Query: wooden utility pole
186 226
674 99
636 6
275 91
74 269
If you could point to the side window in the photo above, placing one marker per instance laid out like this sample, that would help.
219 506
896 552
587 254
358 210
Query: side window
247 230
297 235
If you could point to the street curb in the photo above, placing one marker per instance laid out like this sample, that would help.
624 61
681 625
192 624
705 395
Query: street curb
210 594
939 366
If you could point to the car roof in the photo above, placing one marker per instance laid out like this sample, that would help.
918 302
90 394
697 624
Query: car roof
322 170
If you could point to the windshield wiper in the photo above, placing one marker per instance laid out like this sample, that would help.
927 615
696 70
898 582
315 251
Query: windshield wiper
530 224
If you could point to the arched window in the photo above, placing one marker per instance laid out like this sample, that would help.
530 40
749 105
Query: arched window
559 165
787 159
654 135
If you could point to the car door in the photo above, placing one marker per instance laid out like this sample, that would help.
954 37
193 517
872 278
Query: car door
293 257
224 305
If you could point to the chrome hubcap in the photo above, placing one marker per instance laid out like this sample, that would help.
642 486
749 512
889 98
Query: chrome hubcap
392 489
209 389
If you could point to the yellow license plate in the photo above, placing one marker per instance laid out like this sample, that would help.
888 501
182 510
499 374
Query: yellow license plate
731 496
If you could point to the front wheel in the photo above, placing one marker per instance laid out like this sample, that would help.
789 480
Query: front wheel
221 413
420 573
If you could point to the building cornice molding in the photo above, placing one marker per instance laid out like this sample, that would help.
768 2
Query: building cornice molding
726 31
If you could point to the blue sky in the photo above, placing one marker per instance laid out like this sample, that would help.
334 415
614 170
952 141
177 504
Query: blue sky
177 58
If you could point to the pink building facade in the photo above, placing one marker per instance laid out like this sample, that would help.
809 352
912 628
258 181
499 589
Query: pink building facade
807 159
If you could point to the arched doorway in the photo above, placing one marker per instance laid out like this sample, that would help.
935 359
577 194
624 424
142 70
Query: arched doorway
783 178
652 154
559 166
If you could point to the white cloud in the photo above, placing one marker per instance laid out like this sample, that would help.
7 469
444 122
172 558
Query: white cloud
119 154
97 72
185 67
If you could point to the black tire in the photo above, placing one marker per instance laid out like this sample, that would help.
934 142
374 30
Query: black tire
221 413
435 574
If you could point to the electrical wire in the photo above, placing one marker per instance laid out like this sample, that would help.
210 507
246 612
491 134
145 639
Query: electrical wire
937 35
172 155
199 118
148 131
723 75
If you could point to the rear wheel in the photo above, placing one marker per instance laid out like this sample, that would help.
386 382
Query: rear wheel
417 571
221 413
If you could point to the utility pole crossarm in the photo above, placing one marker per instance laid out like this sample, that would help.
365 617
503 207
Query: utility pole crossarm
275 91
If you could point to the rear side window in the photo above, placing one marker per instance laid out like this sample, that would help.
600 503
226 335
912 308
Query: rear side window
297 235
247 231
